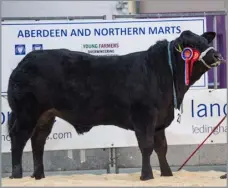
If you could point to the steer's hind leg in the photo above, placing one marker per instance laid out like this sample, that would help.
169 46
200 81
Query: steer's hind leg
19 135
144 130
38 140
160 147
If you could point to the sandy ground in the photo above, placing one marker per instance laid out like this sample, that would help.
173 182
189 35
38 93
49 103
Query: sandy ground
181 178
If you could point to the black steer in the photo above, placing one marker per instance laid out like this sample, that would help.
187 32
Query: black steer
133 91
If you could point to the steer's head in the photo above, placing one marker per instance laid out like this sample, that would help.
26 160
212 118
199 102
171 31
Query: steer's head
197 55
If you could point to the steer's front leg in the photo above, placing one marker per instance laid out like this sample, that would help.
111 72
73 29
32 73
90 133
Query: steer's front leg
146 147
145 131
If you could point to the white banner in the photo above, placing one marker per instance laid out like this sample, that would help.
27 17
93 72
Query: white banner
202 111
94 37
102 38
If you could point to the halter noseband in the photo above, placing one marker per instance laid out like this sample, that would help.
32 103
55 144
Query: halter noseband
203 54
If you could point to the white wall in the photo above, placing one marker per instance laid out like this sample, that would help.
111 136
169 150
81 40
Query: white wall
59 8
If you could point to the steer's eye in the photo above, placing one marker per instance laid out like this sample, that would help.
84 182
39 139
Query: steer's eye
191 46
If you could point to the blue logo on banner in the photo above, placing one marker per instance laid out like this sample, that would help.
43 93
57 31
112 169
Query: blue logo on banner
37 47
19 49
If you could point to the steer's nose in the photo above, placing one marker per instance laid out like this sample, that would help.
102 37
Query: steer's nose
217 56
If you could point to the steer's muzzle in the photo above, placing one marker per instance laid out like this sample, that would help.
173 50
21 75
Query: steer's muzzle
218 59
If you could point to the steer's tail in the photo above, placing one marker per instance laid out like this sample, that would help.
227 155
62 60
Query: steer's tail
11 121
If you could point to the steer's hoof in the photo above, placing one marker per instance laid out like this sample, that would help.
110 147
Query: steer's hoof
38 176
223 176
146 177
168 173
18 176
17 172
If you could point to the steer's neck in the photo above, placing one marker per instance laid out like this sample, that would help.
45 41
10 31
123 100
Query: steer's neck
178 66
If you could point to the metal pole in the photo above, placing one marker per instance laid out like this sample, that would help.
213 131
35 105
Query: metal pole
226 27
112 168
215 70
172 15
132 7
54 18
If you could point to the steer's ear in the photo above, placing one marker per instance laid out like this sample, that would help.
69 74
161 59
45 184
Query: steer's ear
209 36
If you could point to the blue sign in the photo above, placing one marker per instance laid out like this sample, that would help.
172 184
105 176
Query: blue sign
37 47
20 49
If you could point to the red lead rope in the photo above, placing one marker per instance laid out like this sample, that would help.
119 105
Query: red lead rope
202 143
